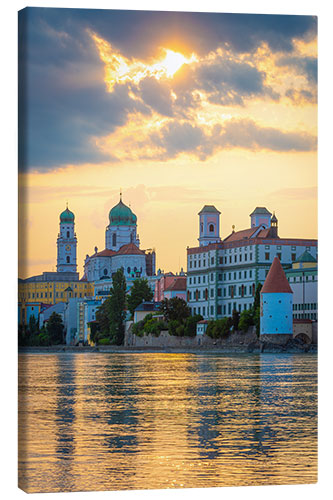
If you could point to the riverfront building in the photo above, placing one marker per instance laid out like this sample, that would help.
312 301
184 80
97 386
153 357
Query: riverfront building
303 279
276 306
222 276
122 249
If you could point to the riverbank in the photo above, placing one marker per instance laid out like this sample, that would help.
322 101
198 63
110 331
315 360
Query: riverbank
255 348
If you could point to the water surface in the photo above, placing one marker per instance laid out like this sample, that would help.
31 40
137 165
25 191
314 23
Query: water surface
153 420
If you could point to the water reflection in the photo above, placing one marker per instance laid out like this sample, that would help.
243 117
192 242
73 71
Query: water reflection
132 421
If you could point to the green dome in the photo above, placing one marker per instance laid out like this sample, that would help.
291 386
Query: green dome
67 216
121 215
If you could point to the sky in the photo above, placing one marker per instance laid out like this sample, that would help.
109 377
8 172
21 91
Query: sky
177 110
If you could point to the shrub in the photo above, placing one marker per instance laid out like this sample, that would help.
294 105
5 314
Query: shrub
173 325
246 320
219 328
191 325
104 341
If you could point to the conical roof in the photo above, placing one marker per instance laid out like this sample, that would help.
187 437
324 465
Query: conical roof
306 257
276 281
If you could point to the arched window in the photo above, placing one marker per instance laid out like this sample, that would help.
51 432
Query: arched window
68 259
242 290
105 271
211 228
201 227
188 295
67 234
114 239
128 270
253 289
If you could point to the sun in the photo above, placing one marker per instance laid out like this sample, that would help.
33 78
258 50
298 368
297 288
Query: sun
172 62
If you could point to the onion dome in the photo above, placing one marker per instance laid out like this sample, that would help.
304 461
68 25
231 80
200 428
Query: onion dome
122 215
67 216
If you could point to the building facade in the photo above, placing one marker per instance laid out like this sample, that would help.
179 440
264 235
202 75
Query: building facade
223 276
122 249
303 279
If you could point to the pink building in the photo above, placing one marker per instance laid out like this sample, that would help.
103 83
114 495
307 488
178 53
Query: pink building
164 281
176 289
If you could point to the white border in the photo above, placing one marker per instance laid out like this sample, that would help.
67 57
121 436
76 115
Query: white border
9 239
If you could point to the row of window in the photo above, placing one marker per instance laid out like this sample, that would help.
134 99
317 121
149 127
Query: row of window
48 295
306 307
294 279
233 291
193 280
222 310
305 316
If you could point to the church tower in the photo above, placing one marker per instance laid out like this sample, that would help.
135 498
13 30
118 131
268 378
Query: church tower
209 225
66 243
122 227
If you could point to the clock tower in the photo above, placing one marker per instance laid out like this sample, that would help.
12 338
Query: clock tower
66 243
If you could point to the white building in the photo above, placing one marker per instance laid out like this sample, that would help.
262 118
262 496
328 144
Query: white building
223 276
122 249
303 280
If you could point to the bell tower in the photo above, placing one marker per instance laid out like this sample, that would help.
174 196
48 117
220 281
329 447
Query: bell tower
66 243
209 225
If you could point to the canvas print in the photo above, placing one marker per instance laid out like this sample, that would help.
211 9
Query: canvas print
167 295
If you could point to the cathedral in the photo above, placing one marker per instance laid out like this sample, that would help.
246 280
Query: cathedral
122 249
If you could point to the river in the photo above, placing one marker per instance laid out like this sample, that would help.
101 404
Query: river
162 420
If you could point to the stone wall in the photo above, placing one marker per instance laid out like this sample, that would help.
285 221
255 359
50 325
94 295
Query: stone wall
235 339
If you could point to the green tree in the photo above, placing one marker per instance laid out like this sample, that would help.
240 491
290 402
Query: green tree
246 320
191 325
175 309
55 329
103 319
256 308
256 302
140 292
117 307
235 319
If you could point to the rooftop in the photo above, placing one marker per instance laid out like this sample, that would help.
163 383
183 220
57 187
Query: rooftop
209 209
276 281
260 211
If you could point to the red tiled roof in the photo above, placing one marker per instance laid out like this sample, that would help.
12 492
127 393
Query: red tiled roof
276 281
264 233
240 235
104 253
177 284
130 249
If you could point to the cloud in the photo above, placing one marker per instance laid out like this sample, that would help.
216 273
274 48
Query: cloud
66 109
175 138
305 66
303 193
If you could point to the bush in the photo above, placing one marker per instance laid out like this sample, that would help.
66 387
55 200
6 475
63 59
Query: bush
246 320
173 325
104 341
219 328
235 319
191 325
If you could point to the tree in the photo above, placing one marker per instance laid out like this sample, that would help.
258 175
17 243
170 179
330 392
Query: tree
256 309
175 309
191 325
103 319
235 319
256 302
55 329
140 291
117 307
246 320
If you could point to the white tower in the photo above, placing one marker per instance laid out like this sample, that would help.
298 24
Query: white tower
66 243
209 222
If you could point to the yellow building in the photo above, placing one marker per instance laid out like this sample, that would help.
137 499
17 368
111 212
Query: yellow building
52 292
